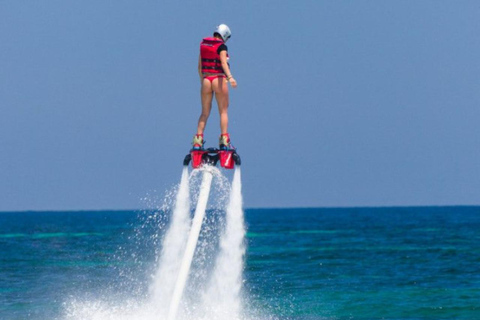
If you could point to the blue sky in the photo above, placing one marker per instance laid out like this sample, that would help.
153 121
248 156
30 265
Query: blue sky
340 103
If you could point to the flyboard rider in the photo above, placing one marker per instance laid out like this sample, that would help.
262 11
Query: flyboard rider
214 72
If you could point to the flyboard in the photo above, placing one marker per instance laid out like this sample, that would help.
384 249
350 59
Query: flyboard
228 159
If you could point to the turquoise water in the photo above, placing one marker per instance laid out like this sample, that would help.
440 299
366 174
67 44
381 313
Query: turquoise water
368 263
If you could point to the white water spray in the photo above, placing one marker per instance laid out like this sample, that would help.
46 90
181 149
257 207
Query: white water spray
191 244
223 296
172 248
213 289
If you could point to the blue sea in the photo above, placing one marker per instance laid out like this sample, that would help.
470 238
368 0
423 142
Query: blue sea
317 263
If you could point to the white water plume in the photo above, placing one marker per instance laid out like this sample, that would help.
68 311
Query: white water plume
214 283
223 299
191 245
173 247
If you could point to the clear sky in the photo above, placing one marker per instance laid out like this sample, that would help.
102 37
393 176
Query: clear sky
339 103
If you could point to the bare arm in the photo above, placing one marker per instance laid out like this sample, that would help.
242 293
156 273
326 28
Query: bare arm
226 68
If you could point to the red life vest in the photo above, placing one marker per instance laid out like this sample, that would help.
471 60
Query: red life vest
210 58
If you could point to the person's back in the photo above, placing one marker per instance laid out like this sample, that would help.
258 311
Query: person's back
214 72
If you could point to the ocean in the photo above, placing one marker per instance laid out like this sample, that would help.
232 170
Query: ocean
312 263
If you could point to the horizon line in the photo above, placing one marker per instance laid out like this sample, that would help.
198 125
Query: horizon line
250 208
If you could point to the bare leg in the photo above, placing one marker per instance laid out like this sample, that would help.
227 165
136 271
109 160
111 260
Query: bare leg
207 96
220 87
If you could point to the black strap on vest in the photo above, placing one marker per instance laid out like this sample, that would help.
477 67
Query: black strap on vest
211 60
212 68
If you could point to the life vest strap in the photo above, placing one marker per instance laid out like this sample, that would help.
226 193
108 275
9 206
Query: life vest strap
211 60
211 68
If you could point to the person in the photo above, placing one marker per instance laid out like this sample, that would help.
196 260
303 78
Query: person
214 72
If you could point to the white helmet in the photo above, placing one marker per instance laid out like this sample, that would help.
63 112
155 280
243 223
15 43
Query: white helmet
224 31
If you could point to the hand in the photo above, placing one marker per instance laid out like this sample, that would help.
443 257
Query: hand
233 82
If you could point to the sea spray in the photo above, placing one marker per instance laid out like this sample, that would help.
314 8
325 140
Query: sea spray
191 244
172 248
223 298
213 289
208 242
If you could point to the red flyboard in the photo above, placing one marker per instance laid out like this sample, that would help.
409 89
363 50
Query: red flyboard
197 156
228 158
